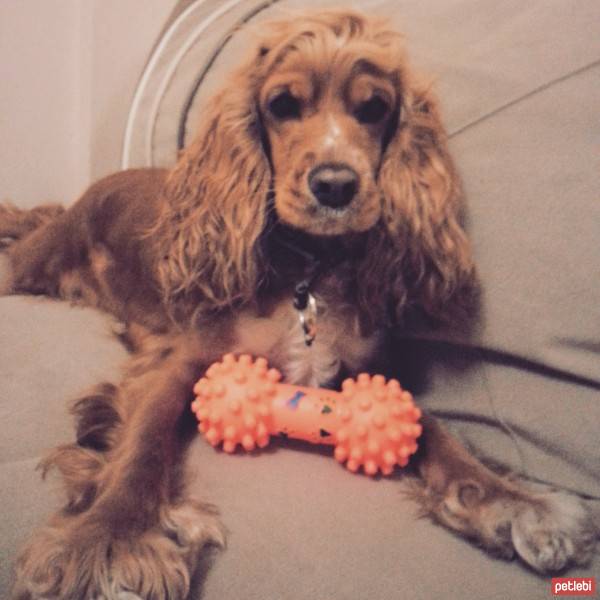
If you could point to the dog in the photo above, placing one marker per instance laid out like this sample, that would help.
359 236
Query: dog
317 211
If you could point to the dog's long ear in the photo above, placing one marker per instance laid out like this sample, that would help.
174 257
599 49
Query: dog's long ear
215 209
423 257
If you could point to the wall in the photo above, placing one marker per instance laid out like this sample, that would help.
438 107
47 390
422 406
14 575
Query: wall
68 70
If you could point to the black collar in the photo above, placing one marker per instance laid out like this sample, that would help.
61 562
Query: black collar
306 258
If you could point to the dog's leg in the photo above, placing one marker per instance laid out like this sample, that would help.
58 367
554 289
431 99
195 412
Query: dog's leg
126 526
549 531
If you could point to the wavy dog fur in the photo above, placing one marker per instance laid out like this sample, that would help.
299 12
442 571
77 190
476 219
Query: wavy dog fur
324 144
212 226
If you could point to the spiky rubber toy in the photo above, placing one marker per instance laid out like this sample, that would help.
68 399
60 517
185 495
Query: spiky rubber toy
373 423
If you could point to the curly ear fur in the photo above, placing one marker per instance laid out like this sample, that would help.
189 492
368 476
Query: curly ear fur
419 254
215 209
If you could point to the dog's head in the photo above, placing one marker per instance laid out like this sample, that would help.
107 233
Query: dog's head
327 124
329 103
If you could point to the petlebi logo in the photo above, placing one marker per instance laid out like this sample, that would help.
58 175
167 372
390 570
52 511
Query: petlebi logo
574 586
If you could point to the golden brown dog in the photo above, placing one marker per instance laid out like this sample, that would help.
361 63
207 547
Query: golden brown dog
320 172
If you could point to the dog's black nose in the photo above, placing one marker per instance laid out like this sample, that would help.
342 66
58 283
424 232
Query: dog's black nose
333 185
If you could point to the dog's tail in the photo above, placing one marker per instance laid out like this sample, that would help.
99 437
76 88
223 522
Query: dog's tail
16 223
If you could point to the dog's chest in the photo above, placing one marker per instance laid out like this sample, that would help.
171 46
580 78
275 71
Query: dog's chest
280 338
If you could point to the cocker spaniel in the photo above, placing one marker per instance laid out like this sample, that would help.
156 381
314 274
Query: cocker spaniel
317 209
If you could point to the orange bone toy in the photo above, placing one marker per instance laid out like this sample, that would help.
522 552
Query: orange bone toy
372 422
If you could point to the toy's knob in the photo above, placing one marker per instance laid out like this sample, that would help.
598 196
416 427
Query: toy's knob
379 425
233 402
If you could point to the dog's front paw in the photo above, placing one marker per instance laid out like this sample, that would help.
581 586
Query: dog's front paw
554 531
77 558
549 531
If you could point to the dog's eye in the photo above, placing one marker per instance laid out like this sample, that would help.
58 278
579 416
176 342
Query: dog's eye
371 111
285 106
